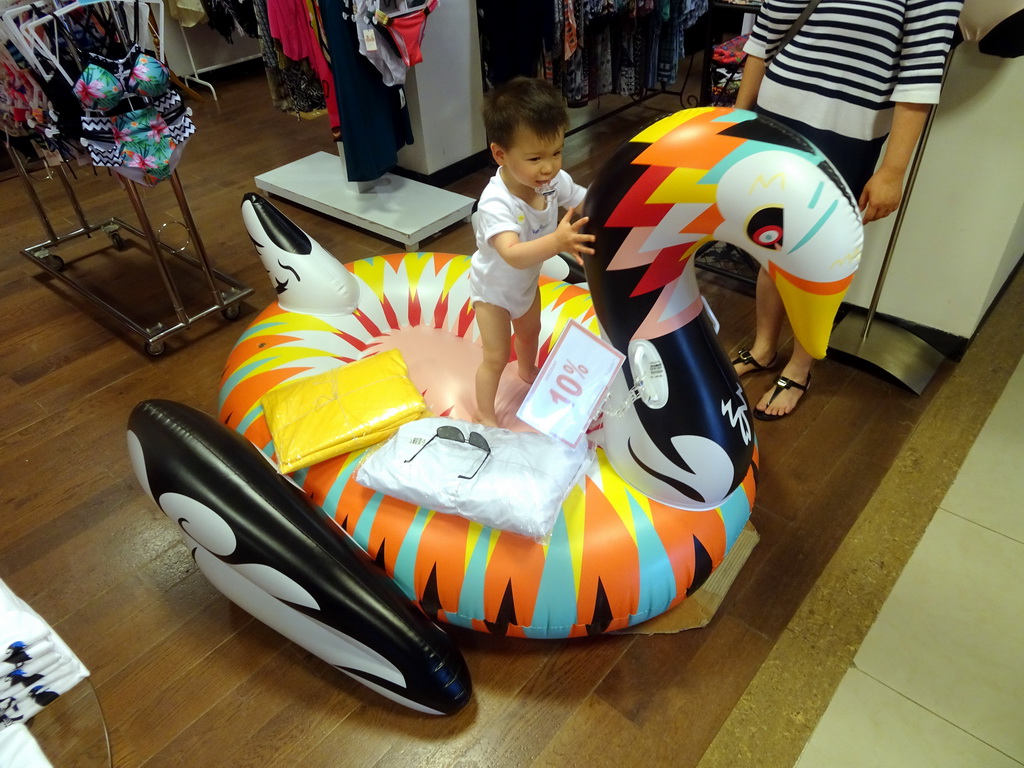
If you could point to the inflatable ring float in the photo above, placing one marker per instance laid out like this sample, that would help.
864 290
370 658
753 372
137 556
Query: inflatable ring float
675 472
597 571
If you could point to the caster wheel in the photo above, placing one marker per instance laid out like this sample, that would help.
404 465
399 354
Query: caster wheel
118 241
156 348
231 313
56 262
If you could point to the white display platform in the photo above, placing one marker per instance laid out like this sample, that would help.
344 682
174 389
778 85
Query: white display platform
393 207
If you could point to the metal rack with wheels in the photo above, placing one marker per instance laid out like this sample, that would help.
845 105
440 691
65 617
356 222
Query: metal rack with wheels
225 292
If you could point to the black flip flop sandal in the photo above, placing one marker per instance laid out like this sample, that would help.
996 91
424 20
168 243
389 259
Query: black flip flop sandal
781 385
743 357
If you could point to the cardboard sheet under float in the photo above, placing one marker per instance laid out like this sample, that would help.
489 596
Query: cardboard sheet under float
700 607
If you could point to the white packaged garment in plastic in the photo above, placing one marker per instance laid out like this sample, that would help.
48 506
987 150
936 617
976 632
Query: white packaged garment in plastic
512 481
36 665
19 748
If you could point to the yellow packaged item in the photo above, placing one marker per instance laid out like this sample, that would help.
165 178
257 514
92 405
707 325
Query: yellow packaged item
332 413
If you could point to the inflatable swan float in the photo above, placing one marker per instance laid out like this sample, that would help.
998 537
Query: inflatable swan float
360 578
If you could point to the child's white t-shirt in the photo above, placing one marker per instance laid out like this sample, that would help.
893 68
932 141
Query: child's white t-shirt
494 280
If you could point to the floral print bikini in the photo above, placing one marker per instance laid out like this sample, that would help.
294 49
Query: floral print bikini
133 121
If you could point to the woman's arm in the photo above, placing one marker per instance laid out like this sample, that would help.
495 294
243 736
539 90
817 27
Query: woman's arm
884 190
750 83
770 26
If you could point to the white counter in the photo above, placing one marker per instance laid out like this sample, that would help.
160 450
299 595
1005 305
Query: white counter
963 232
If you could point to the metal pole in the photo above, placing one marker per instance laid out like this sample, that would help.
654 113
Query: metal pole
915 165
154 246
27 181
193 230
72 197
891 347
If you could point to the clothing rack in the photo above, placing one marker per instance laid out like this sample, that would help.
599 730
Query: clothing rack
394 206
718 257
145 148
225 292
749 9
195 50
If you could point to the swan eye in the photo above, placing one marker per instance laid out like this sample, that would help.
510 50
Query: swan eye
764 228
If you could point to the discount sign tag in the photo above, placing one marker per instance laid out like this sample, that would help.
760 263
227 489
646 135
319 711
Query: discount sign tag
571 385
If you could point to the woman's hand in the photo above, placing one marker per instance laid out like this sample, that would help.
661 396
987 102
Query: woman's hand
884 191
882 195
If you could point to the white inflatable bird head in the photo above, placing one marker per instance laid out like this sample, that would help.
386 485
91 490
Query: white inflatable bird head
307 278
799 221
716 174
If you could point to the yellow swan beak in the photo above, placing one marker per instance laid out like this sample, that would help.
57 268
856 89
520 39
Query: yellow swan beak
811 307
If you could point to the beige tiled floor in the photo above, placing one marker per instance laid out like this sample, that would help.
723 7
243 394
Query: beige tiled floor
939 679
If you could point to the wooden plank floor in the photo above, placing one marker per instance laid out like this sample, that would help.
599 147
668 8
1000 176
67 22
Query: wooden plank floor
186 678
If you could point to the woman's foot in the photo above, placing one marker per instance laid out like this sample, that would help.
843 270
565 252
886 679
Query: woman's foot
746 362
783 397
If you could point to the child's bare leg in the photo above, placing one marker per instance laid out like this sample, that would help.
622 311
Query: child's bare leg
496 338
527 330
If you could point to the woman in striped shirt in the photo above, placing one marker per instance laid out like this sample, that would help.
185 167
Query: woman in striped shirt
857 72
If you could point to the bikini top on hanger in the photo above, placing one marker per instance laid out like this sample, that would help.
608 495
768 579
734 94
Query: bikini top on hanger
104 82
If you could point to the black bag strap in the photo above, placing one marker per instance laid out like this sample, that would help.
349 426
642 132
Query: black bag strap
791 32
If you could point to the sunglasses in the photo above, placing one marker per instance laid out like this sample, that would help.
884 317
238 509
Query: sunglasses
448 432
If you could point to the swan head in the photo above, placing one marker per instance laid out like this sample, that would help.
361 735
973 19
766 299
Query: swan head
797 218
306 277
717 174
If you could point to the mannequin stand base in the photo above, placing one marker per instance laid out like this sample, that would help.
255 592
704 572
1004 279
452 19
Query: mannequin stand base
895 350
394 207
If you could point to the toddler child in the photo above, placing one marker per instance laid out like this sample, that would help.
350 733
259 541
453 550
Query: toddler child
518 227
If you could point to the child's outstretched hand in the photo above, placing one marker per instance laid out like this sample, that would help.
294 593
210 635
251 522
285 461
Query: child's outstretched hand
570 239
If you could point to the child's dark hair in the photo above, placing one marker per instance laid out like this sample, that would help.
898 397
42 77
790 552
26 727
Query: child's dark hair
523 102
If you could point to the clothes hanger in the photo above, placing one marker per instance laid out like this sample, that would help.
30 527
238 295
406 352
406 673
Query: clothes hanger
43 36
149 26
10 23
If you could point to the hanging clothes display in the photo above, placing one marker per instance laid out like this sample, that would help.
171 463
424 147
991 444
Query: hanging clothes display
229 16
513 37
22 101
350 56
587 48
390 33
108 99
374 117
105 88
132 120
292 43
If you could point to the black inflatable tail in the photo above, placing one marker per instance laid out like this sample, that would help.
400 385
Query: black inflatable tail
260 541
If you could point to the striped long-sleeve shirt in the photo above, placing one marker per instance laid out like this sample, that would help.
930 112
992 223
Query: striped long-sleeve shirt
852 60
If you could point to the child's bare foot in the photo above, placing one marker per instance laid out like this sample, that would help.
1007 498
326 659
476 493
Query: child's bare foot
529 375
487 421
